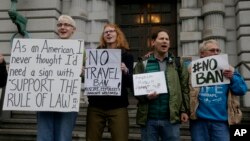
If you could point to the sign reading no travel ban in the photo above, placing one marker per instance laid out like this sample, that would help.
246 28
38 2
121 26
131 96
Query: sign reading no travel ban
103 72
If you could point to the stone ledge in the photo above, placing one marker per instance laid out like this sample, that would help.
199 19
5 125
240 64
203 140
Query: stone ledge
189 13
190 36
242 5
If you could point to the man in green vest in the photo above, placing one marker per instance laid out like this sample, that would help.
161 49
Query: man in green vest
160 115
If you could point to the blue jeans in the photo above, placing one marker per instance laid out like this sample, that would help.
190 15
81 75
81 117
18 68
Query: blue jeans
156 129
207 130
55 126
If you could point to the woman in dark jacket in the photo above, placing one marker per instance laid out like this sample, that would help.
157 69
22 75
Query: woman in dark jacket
111 109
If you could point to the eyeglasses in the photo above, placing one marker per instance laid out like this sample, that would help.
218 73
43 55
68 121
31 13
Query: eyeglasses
64 24
109 31
214 50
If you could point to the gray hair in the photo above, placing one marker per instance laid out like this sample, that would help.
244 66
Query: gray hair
203 45
68 18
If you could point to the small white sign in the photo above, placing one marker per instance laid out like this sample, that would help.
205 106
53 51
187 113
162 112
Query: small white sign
149 82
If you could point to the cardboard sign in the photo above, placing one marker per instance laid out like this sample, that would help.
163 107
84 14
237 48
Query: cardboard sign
44 75
103 72
208 71
146 83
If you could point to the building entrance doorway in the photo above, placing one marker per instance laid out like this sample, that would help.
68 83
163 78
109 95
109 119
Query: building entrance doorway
138 19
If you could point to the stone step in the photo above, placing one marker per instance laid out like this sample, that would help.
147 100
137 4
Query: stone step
32 115
82 112
31 124
30 135
80 125
22 126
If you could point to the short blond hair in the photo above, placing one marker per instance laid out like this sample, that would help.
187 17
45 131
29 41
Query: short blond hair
68 18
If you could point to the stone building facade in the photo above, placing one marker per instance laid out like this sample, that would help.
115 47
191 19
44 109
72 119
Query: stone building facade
227 21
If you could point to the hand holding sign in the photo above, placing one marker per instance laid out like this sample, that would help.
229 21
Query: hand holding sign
228 73
149 83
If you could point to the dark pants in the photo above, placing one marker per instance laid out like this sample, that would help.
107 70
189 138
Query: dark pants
117 120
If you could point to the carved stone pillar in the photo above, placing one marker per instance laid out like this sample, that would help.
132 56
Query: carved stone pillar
78 10
213 12
189 34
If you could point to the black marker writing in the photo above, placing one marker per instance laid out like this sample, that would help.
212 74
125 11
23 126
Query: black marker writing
209 64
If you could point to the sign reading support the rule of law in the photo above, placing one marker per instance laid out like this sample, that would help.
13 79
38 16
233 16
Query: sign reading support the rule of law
44 75
103 72
146 83
209 71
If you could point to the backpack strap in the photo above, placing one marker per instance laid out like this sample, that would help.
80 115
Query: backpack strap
178 62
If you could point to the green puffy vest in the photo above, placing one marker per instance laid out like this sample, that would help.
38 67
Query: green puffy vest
159 107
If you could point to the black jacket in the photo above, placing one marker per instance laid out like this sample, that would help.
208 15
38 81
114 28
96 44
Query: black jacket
3 74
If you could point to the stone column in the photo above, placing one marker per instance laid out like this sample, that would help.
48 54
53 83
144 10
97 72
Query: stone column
242 13
189 34
213 12
78 10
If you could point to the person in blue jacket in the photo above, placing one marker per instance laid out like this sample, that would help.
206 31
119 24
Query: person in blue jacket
213 108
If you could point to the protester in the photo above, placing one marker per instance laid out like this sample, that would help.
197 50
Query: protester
58 126
159 115
111 109
3 71
210 105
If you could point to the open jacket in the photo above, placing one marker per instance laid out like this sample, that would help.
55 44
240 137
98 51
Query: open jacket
237 87
178 90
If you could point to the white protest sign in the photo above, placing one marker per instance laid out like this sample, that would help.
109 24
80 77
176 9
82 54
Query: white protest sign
103 72
44 75
146 83
208 71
